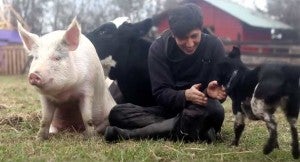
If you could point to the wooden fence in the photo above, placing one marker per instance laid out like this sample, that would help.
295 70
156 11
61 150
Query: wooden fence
255 53
13 59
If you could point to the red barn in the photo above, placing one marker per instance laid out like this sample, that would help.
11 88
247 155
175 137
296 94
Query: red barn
232 22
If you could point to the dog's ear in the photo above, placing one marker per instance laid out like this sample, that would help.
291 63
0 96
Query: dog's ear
235 52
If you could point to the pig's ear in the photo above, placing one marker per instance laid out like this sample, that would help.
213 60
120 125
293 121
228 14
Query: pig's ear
29 39
72 35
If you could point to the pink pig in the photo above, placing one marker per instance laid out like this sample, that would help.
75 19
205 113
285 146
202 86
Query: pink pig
67 73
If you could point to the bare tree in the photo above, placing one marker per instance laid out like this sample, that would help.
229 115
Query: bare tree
137 10
169 4
31 11
287 12
48 15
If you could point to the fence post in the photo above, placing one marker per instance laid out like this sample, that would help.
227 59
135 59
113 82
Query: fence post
12 59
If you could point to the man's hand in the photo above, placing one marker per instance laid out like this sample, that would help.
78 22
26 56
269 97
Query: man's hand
215 91
195 95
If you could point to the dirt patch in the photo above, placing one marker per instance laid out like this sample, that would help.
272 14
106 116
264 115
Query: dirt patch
34 117
11 120
3 107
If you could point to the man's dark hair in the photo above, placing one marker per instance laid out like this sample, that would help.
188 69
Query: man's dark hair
184 19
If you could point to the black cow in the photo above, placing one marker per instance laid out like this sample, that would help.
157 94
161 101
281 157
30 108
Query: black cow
129 50
278 85
239 82
266 86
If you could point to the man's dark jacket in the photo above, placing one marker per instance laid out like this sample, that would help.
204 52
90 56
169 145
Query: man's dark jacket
172 71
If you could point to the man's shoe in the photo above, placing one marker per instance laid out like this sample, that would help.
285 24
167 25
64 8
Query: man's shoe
112 134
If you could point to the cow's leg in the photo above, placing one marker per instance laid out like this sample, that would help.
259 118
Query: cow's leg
292 112
159 129
239 125
239 122
265 113
272 128
295 141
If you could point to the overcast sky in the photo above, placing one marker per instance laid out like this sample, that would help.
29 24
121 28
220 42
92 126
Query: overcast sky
247 3
261 4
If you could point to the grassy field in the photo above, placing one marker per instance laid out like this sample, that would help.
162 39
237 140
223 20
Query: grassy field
20 115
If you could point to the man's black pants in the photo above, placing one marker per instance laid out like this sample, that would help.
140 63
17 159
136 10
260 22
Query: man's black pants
190 125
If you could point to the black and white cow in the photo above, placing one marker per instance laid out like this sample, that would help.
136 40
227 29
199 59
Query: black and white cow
128 48
278 85
256 94
239 82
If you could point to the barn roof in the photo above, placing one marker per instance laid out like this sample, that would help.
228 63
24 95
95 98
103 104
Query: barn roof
9 37
248 16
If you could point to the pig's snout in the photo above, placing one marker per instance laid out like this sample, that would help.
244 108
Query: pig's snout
35 79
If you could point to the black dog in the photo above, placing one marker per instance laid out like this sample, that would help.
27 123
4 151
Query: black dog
239 82
278 85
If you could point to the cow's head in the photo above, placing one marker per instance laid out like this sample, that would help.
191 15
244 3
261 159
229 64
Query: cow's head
229 70
112 37
120 39
103 39
134 31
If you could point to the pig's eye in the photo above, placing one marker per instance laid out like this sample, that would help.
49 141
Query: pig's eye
57 58
35 57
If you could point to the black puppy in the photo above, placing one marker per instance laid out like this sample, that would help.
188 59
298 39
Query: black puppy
239 82
278 85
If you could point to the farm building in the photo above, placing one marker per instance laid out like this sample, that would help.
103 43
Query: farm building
12 55
9 37
13 58
260 37
233 22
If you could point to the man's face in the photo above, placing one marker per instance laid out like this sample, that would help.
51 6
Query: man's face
189 43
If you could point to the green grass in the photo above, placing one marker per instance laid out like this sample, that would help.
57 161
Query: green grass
19 121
